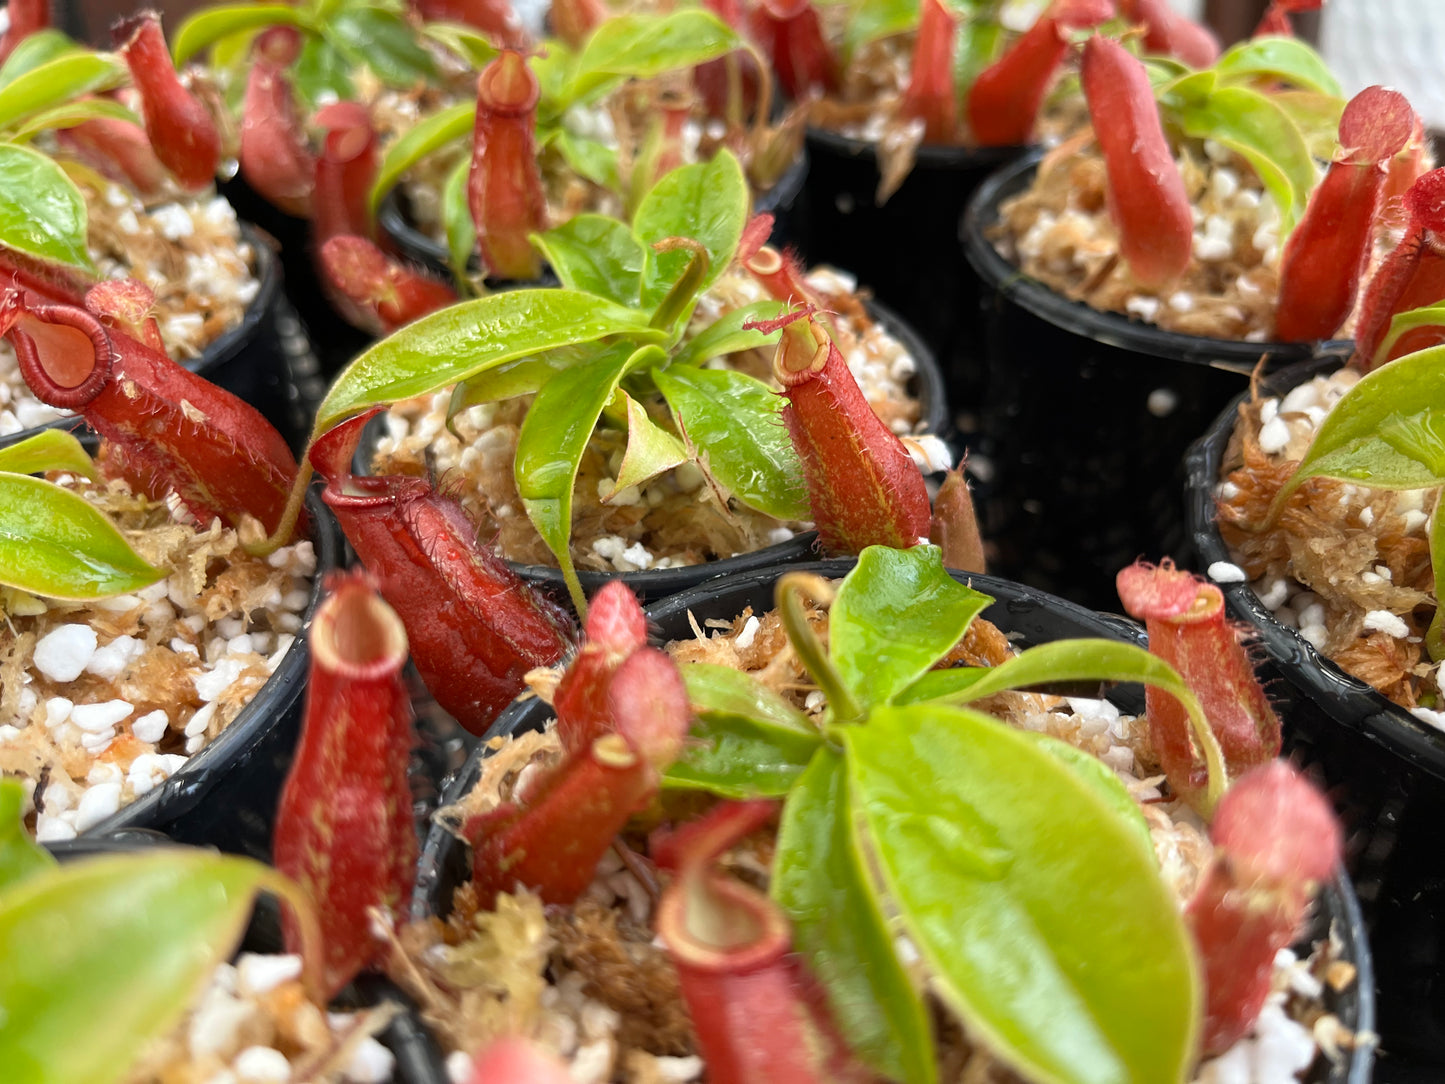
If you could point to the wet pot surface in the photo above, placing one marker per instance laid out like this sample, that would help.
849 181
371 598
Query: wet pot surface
1388 768
1086 420
1030 617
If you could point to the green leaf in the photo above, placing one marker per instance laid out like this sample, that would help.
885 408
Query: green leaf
1402 323
643 46
1317 116
522 377
706 201
1095 773
981 42
1276 59
471 46
588 158
1038 910
650 448
734 423
596 254
38 48
58 81
1368 439
746 742
20 856
554 435
457 220
209 25
874 19
71 114
55 543
445 126
321 72
1435 634
471 337
726 334
820 879
897 613
1257 128
42 212
383 41
50 449
112 948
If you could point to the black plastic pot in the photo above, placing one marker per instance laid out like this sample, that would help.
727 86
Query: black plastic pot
394 222
418 1059
1030 617
906 251
1388 768
226 795
653 584
251 360
1087 417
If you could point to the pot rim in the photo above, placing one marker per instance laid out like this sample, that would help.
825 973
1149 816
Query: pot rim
1345 699
183 791
1111 328
1337 905
939 156
224 347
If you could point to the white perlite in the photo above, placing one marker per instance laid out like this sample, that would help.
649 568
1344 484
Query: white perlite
1224 572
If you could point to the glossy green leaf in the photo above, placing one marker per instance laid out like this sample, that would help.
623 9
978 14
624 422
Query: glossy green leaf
746 742
643 46
20 856
1369 439
553 68
553 437
1038 910
445 126
209 25
471 46
734 424
42 212
1435 634
596 254
820 879
31 52
980 43
522 377
1095 773
706 201
67 77
322 73
897 613
1081 660
471 337
113 948
55 543
50 449
1278 60
871 20
726 334
1257 128
457 220
588 158
651 449
383 41
71 114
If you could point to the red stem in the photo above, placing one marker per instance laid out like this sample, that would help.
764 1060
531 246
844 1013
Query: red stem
1410 277
345 170
758 1015
275 154
791 33
863 486
930 96
1147 199
344 826
475 627
181 129
375 292
1276 841
551 842
1187 629
1328 251
504 188
169 429
1168 33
